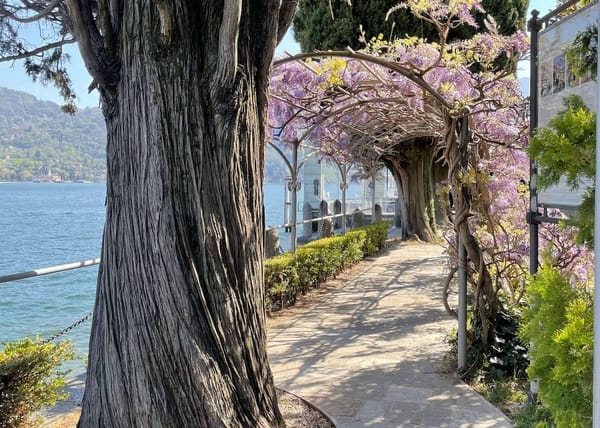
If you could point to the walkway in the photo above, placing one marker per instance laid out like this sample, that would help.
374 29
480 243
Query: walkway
370 354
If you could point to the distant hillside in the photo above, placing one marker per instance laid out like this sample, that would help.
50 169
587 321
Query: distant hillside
38 141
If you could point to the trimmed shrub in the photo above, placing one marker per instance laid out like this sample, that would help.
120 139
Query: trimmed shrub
559 325
282 279
327 253
30 378
375 238
352 247
290 274
307 268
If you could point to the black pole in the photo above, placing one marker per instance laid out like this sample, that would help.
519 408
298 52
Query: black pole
533 27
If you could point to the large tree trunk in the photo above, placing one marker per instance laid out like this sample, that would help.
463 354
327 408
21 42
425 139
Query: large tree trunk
411 165
178 336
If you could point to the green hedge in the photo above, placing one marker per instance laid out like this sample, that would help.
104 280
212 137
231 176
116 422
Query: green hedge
290 274
30 378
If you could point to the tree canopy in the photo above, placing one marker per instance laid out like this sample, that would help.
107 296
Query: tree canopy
36 32
334 24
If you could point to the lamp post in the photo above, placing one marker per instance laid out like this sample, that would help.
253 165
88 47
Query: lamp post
533 27
344 170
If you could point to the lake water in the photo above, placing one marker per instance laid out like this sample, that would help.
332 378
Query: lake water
47 224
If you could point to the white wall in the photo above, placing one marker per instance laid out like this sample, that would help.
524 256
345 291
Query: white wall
556 82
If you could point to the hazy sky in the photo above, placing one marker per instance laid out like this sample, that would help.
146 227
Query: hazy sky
12 75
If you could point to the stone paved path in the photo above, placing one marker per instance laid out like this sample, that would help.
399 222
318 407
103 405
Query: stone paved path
370 354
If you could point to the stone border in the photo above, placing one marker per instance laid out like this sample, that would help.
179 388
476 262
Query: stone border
311 405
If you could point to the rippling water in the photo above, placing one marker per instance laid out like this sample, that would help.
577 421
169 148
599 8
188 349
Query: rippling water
41 225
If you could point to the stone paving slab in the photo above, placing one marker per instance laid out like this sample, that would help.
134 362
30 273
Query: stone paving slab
371 354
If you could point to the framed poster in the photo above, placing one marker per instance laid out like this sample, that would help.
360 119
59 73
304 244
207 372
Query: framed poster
558 73
545 78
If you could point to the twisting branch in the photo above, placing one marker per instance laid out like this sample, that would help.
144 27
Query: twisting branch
286 13
91 44
404 71
446 292
104 20
228 43
166 20
33 18
37 51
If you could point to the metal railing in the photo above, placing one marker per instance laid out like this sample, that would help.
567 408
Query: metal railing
48 270
92 262
312 220
51 270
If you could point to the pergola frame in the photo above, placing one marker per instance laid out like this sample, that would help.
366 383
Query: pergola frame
392 119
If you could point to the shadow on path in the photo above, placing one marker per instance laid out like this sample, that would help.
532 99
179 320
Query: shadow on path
371 354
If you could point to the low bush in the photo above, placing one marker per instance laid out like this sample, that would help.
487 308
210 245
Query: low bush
30 378
352 247
559 325
505 357
289 274
281 274
327 255
375 238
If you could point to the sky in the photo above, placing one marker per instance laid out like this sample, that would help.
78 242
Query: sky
12 75
543 7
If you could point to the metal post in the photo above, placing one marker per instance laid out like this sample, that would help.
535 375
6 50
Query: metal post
286 202
344 186
596 364
462 264
373 183
462 305
533 26
294 190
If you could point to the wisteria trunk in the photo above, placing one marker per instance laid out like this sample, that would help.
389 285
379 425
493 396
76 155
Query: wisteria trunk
457 153
178 336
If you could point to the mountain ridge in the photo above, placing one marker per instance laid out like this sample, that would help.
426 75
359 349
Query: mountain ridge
38 141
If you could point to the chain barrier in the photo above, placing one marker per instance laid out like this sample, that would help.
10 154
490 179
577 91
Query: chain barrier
68 329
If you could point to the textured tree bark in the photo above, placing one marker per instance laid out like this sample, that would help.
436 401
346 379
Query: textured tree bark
178 336
411 165
456 154
441 201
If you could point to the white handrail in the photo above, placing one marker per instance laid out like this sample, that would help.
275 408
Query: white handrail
92 262
48 270
310 220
